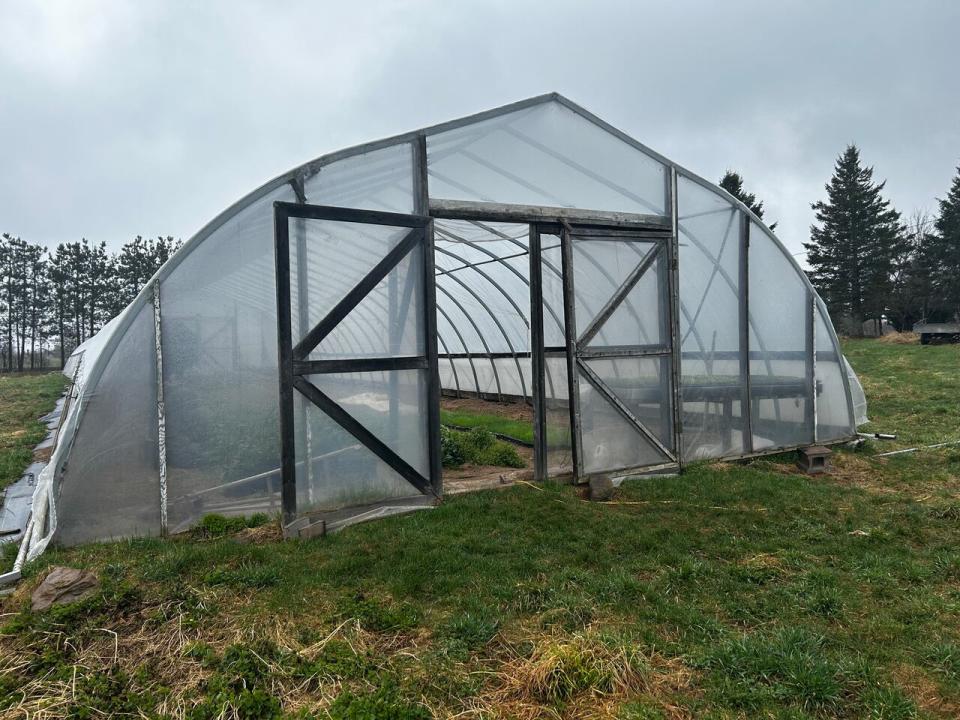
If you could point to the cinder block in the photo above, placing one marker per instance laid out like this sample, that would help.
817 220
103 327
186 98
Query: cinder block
814 460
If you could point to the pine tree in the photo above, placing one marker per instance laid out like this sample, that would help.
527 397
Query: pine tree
851 252
61 305
98 279
15 274
22 299
733 184
136 263
915 266
35 297
7 296
67 295
76 263
947 278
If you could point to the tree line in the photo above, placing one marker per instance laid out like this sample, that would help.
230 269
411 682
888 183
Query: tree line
51 301
867 261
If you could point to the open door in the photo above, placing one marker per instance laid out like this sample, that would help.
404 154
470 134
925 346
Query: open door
612 364
359 389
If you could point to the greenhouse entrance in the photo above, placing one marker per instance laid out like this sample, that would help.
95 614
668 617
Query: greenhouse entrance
607 400
597 369
595 356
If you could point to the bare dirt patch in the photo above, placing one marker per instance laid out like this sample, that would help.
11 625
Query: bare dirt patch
924 691
43 454
467 478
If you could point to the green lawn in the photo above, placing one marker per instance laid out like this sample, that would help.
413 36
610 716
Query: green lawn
516 429
23 399
912 390
734 590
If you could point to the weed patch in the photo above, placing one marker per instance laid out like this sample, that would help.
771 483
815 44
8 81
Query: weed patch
378 616
477 447
382 704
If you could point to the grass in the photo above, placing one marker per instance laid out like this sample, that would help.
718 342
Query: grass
912 390
23 399
733 590
516 429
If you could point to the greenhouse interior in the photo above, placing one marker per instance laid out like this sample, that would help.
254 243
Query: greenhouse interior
295 355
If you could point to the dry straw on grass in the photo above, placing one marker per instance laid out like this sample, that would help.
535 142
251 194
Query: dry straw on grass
578 676
897 338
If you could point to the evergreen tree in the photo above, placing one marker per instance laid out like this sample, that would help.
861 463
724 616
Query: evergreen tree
851 252
137 262
915 267
77 287
99 280
947 278
15 274
22 279
733 184
161 249
35 302
60 304
67 295
9 298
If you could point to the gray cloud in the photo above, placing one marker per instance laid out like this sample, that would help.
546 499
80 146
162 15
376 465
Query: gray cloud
119 119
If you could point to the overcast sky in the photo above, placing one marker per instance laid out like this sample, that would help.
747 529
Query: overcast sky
119 119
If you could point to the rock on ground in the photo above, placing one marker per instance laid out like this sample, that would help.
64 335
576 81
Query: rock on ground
63 585
601 488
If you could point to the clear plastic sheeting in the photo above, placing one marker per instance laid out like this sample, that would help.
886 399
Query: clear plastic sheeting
545 154
551 273
833 410
712 385
600 267
341 471
857 395
81 369
115 494
219 334
504 378
509 377
780 354
387 321
643 386
377 180
391 405
557 413
642 318
610 441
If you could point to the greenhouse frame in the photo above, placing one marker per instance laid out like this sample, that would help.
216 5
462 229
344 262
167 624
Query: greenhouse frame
531 254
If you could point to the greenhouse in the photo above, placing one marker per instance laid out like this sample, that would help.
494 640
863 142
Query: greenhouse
294 355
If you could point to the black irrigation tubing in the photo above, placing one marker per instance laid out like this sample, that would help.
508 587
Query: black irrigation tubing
499 436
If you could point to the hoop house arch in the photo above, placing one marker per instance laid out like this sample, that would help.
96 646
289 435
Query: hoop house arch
531 253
